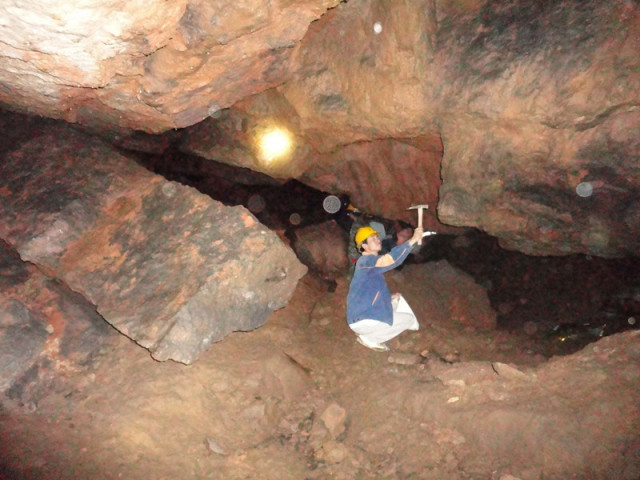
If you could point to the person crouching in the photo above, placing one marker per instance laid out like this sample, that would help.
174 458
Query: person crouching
372 312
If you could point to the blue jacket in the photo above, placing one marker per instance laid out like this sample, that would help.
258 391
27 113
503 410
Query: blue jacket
369 297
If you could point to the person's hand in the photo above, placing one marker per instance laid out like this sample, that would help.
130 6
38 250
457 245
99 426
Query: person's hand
417 235
396 296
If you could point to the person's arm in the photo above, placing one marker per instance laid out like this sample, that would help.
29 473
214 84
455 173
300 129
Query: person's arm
398 254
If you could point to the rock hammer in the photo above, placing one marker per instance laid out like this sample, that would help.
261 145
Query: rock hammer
420 208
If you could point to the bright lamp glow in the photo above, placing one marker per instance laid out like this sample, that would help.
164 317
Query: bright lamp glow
274 144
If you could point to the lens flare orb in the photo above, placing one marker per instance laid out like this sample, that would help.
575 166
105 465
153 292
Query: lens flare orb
584 189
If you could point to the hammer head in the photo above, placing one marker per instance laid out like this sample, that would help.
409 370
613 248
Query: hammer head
419 208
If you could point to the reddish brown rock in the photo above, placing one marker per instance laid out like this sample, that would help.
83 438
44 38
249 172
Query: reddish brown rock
165 265
361 85
463 374
542 118
334 417
284 378
233 136
383 177
525 110
149 66
46 330
323 248
547 191
449 295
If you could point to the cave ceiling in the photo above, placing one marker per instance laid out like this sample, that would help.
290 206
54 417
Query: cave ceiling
520 118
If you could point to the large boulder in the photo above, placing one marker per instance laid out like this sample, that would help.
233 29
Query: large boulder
322 248
165 265
532 104
447 295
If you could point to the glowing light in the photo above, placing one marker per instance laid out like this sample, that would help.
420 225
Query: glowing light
275 144
377 28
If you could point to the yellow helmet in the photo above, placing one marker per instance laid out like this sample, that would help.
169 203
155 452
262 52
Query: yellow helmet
363 233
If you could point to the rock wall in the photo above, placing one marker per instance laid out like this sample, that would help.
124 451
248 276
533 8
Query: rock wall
540 115
530 101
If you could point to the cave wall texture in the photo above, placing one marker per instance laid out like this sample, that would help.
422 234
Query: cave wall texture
518 117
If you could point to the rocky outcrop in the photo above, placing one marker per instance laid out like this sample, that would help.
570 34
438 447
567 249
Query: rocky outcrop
548 422
165 265
530 100
557 191
383 176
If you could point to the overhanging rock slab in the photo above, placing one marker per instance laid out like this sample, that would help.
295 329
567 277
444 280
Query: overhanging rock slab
168 267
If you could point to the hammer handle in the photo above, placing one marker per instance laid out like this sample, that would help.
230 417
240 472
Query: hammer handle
420 223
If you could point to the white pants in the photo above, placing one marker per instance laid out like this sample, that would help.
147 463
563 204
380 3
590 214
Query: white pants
375 331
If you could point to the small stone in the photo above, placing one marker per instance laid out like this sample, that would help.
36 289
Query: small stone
333 418
214 447
509 372
334 452
449 436
322 322
451 357
456 383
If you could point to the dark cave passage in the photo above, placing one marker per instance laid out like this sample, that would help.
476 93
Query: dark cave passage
574 299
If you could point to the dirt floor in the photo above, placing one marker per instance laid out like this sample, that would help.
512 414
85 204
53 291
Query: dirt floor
299 399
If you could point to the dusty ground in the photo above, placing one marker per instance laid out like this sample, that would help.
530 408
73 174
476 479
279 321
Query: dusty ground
300 399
